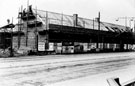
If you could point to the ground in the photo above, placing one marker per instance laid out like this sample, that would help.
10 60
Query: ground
67 70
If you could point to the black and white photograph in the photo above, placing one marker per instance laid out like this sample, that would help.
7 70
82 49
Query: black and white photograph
67 42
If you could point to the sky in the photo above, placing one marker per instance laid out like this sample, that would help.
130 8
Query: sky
110 10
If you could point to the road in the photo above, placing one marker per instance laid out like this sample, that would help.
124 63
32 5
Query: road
51 69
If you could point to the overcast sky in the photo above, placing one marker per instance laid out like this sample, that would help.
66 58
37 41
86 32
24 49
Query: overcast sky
110 9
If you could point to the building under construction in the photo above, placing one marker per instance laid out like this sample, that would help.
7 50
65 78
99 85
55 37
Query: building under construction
43 31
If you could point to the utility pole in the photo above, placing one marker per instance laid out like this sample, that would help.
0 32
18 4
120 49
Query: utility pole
36 34
27 23
8 21
98 20
11 46
19 26
47 36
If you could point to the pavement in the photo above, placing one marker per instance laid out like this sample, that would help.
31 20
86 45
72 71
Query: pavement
67 70
100 79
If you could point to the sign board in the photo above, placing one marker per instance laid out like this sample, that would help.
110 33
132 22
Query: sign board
85 46
51 46
41 46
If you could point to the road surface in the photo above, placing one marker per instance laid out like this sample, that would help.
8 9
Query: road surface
66 70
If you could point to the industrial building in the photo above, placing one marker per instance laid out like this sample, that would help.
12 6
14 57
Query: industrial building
49 32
